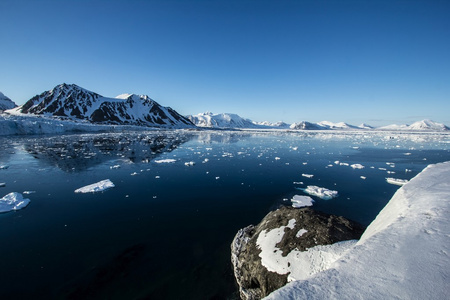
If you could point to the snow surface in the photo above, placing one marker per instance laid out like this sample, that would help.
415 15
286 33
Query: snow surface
403 254
301 201
13 201
322 193
96 187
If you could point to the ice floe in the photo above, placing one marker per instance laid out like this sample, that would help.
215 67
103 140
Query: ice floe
3 167
13 201
165 161
301 201
189 163
96 187
357 166
308 175
321 192
396 181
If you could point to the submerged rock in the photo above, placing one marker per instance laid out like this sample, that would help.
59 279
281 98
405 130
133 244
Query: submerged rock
262 255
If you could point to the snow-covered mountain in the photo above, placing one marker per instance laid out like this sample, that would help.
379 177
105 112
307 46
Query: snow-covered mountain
339 125
365 126
224 120
304 125
279 125
6 103
69 101
424 125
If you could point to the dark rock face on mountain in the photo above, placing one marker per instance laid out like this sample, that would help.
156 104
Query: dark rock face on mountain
73 102
254 279
6 103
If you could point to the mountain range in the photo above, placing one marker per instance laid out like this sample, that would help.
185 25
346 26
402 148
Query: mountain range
71 102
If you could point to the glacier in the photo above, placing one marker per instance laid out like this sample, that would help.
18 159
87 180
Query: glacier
403 254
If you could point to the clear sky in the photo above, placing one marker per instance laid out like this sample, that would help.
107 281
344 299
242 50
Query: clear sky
378 62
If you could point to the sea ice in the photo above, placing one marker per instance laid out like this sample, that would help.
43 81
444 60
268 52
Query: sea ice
3 167
357 166
301 201
307 175
96 187
322 193
13 201
162 161
189 163
396 181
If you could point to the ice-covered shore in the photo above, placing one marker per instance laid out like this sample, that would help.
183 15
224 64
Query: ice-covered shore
403 254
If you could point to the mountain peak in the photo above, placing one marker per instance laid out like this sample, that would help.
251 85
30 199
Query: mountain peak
6 103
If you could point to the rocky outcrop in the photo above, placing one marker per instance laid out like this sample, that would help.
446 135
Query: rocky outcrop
299 230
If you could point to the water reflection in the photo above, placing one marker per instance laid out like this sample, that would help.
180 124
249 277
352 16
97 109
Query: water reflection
73 153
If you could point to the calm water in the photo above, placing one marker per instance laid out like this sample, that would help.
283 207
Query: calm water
164 231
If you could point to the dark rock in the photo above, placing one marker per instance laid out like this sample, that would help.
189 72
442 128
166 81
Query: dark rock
254 280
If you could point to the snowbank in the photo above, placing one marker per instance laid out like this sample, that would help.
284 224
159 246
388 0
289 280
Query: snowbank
403 254
13 201
96 187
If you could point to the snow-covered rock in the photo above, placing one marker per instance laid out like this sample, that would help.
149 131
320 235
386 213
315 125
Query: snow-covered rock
69 101
285 246
403 254
96 187
224 120
13 201
6 103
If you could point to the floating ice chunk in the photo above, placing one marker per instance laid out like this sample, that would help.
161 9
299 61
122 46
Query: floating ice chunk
295 148
362 177
13 201
408 170
408 153
28 192
343 164
217 178
337 162
301 201
165 161
308 175
157 177
2 184
205 160
96 187
277 158
3 167
189 163
322 193
357 166
397 181
382 169
391 172
134 173
301 232
298 182
115 167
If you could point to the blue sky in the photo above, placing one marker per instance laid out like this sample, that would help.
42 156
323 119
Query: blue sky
378 62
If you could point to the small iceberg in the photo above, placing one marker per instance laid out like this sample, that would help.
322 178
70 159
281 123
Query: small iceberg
13 201
189 163
3 167
396 181
320 192
96 187
308 175
301 201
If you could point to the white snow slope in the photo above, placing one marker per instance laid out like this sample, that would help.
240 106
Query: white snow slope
5 102
403 254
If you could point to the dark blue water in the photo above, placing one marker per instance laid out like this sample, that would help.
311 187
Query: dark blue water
164 231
